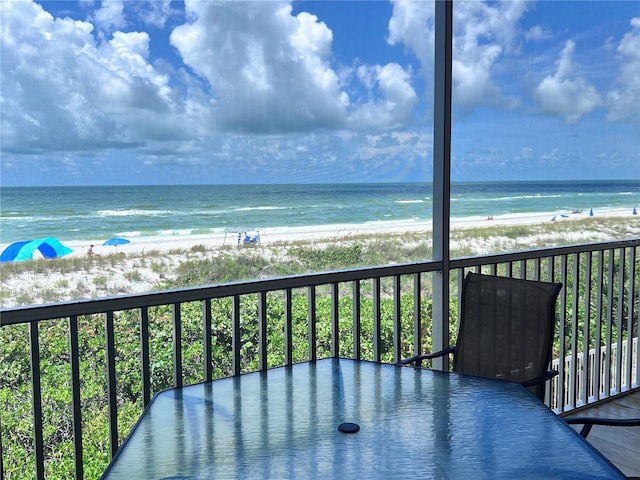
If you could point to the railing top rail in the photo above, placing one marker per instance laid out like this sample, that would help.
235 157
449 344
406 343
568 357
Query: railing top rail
19 315
464 262
27 314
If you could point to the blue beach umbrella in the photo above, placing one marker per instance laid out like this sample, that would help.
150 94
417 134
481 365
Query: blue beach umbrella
19 251
116 241
635 212
591 212
562 215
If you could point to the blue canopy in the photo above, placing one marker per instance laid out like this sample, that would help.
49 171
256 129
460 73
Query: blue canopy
49 248
116 241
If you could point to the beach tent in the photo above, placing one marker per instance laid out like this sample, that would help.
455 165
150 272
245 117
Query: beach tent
246 235
49 248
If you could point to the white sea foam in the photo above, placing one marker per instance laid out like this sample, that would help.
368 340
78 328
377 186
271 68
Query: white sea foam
132 212
266 207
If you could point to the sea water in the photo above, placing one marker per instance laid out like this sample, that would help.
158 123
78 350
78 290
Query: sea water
96 213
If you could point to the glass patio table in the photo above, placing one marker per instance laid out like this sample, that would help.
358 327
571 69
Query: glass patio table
400 422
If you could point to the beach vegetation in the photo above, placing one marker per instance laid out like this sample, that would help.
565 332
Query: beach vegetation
200 266
133 276
198 249
25 297
5 293
51 295
220 269
101 281
158 267
61 284
81 290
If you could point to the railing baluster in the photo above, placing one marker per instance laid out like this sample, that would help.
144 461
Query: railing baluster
311 319
356 320
36 399
417 313
597 360
631 314
288 334
397 319
575 298
177 345
609 333
619 331
144 360
335 321
74 354
263 335
206 340
586 341
377 341
609 325
111 382
236 340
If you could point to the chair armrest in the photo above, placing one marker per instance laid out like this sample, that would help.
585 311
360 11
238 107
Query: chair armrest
541 379
589 422
417 359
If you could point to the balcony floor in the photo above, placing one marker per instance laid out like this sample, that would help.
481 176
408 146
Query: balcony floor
621 445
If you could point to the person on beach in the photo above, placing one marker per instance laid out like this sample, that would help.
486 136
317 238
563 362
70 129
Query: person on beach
90 251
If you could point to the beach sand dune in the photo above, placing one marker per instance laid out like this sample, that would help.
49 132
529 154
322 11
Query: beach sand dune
140 265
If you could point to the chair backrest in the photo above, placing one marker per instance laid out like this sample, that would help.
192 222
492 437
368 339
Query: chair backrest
506 328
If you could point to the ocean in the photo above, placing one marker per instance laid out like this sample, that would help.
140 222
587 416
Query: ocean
98 213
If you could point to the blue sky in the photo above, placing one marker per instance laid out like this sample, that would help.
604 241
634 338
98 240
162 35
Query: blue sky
134 92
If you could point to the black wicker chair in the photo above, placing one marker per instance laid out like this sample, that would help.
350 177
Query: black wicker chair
506 331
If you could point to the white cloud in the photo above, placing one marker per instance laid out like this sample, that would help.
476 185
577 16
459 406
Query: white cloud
74 86
63 90
110 16
537 33
412 24
155 13
398 97
526 152
483 32
564 94
623 101
270 71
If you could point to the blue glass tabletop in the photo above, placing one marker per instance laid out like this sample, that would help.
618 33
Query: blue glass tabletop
339 418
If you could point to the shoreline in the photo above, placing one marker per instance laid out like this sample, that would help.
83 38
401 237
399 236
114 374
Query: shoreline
278 235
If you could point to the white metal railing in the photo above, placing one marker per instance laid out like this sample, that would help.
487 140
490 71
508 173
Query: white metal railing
586 379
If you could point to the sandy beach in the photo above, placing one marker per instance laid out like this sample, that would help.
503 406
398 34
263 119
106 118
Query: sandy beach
140 265
322 233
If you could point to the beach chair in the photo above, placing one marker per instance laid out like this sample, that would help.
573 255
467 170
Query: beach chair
506 331
588 422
